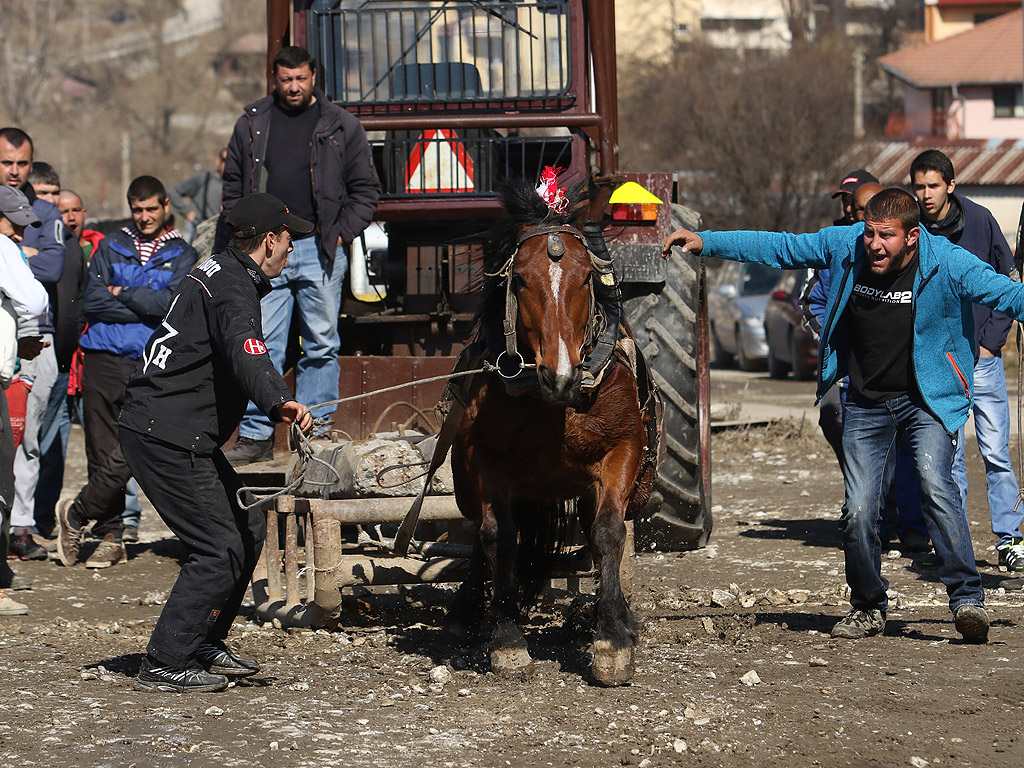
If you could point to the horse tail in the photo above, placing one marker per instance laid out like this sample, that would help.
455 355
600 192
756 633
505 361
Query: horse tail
544 528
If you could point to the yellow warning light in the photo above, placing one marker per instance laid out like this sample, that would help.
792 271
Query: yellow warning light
633 193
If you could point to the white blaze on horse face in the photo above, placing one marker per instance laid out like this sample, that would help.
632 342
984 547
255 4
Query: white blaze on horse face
555 272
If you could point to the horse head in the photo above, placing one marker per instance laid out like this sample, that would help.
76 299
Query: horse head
551 278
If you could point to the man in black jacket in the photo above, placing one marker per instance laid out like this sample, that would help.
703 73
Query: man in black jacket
312 154
201 365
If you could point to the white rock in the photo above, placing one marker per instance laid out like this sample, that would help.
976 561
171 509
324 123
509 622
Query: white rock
751 678
720 598
918 762
214 712
679 745
440 675
817 661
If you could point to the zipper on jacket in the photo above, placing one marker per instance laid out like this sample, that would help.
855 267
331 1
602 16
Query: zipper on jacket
827 328
963 381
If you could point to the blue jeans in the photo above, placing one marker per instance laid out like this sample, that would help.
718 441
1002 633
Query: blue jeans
992 425
307 284
53 447
870 435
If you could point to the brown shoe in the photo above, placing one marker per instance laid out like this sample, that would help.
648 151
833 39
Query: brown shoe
10 607
69 538
108 553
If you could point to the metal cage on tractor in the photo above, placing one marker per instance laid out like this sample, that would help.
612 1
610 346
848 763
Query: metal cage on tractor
456 95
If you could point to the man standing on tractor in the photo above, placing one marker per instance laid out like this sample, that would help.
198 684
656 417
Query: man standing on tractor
312 154
895 293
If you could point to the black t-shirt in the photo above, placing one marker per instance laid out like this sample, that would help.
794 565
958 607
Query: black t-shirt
289 149
880 330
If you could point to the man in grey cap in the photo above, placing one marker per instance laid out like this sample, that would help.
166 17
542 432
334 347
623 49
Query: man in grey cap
29 300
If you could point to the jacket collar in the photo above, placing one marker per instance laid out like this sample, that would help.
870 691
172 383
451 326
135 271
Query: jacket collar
259 280
123 244
329 111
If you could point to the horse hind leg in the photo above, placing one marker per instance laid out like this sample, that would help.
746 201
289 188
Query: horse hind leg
467 609
508 650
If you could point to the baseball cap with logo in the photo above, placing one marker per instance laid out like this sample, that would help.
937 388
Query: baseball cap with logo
16 207
262 212
852 180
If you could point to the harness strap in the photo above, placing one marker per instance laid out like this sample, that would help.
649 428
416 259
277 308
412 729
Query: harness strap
445 439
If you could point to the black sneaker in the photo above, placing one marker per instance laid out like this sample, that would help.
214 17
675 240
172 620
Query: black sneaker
249 451
11 581
857 624
1011 555
972 622
130 534
154 677
218 659
24 547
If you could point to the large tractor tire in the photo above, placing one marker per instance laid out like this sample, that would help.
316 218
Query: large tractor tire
670 324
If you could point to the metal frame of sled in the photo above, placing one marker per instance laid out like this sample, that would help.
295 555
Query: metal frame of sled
336 563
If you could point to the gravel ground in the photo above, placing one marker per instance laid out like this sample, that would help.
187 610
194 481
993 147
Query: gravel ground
735 665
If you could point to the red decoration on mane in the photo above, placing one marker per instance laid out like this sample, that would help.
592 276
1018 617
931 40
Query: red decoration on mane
549 190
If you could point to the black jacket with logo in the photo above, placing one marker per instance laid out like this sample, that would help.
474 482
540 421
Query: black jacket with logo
207 359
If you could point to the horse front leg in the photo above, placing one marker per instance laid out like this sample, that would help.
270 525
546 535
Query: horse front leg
499 539
616 629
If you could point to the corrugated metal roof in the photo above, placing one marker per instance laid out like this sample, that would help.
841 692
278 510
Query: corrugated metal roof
976 162
990 53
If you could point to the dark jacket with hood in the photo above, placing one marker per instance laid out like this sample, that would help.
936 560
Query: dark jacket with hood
975 229
207 359
345 184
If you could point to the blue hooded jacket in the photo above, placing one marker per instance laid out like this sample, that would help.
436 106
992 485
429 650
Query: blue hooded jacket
122 324
949 280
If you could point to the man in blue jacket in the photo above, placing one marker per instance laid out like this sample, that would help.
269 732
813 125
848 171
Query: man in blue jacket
973 227
898 306
131 279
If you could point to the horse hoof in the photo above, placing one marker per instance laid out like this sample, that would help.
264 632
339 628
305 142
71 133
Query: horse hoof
510 661
612 666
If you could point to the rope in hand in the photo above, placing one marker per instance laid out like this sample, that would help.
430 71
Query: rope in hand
303 444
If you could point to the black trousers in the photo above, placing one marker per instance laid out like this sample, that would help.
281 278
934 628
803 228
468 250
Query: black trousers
104 381
195 497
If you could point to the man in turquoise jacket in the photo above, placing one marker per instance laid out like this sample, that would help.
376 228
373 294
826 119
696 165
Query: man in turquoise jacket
899 321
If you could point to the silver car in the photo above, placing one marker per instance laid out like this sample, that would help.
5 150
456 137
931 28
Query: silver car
736 306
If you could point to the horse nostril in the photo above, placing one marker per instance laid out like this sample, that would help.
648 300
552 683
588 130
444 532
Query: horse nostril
547 376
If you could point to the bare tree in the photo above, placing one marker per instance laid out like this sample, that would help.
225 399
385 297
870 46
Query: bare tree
758 139
32 54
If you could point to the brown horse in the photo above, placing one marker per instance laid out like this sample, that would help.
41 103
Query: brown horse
545 433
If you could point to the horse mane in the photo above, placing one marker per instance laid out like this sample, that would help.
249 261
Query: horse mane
525 207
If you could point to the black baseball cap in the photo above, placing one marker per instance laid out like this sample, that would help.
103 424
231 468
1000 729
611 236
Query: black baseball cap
16 207
262 212
852 180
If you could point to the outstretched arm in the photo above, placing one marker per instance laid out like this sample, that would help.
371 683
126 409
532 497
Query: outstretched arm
689 242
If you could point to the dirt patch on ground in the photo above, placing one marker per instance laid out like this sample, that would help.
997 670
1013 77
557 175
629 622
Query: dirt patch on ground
735 666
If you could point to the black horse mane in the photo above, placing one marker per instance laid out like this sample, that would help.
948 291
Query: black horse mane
525 208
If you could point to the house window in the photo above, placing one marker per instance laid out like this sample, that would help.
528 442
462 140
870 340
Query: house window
1007 101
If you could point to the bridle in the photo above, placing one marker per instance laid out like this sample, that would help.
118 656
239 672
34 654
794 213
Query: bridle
510 362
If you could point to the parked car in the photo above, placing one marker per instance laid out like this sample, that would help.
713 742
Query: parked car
736 306
791 347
